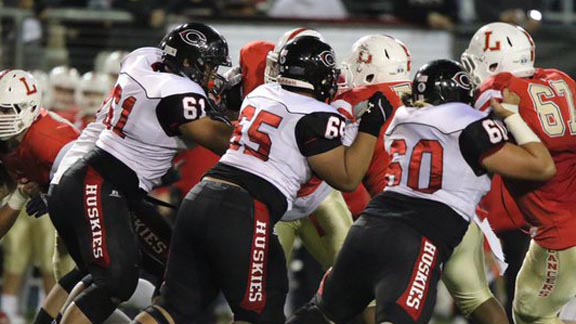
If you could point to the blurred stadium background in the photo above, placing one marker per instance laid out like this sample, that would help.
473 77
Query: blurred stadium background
42 34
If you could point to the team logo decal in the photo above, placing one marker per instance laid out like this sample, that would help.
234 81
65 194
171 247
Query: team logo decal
327 57
463 80
192 37
364 55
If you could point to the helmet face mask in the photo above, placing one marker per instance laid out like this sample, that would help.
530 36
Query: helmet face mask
20 99
377 59
309 65
497 48
195 51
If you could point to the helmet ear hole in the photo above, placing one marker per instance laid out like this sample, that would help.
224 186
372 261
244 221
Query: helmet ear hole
369 78
493 67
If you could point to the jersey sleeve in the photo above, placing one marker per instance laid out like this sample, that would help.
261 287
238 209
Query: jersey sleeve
176 110
319 132
479 140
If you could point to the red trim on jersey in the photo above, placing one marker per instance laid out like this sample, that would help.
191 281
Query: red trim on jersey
309 187
255 296
415 296
95 217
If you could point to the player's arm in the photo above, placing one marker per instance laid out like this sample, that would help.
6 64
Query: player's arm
484 145
185 115
530 159
212 134
344 167
10 210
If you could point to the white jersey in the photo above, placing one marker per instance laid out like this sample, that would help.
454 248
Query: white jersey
436 153
277 130
82 145
304 206
148 107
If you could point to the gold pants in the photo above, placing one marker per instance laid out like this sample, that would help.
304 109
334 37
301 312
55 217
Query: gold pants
545 283
333 219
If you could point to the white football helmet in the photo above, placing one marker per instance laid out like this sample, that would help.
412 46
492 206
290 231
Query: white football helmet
499 47
20 100
272 67
377 59
111 65
42 80
63 81
92 90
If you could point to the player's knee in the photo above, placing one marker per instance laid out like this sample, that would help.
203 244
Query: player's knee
523 313
308 314
69 281
96 303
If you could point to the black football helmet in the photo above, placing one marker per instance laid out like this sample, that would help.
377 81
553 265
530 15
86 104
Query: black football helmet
442 81
195 50
309 64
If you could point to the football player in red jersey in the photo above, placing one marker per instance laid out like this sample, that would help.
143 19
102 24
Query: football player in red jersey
502 56
31 140
382 63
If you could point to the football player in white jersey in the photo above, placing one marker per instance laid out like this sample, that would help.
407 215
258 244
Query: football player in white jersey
442 150
223 237
160 97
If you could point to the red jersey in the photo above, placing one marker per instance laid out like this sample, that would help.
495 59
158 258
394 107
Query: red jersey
35 154
375 180
253 64
501 209
70 115
193 164
547 105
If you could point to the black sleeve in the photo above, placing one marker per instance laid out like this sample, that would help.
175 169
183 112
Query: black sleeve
480 139
319 132
176 110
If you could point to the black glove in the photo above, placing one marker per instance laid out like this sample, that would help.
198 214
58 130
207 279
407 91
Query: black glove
37 206
216 112
379 109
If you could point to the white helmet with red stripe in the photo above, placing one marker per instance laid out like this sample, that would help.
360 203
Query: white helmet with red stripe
499 47
377 59
63 81
92 91
20 100
272 66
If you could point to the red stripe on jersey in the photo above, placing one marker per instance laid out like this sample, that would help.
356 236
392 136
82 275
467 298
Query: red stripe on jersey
309 187
95 216
415 296
255 295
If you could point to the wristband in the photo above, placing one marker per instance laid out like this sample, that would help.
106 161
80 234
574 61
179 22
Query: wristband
370 127
510 107
17 200
518 127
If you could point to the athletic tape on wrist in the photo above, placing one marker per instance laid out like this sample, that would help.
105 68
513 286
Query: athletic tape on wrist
17 200
518 127
510 107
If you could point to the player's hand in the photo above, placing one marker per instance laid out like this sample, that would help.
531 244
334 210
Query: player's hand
29 188
509 105
233 77
37 206
378 110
